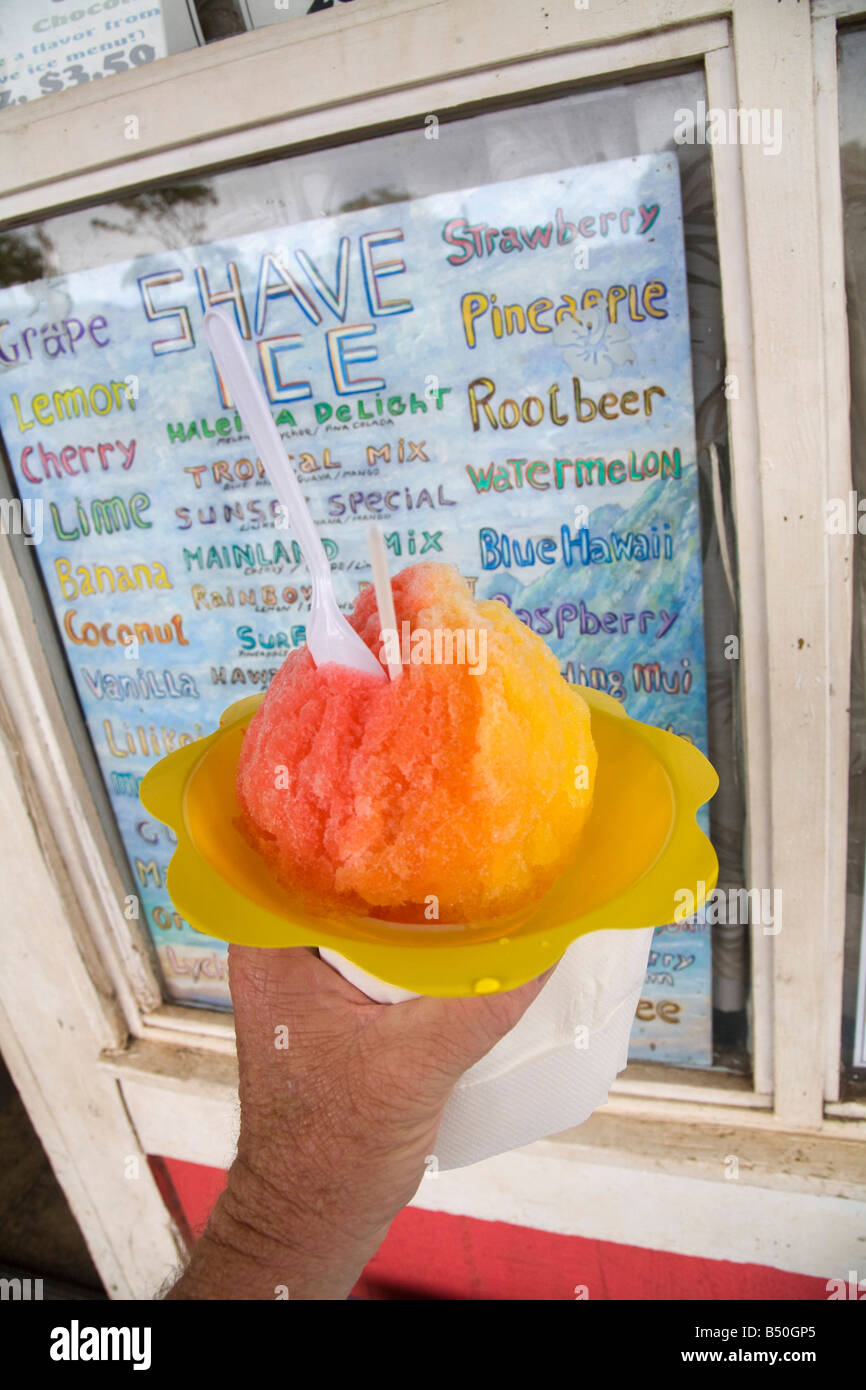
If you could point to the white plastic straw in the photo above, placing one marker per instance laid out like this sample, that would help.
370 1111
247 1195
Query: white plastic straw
382 585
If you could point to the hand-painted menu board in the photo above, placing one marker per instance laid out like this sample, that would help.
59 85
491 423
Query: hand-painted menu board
500 375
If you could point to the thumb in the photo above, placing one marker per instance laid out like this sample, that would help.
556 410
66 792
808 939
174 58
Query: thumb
453 1034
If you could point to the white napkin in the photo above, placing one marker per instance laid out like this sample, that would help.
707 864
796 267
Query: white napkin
556 1065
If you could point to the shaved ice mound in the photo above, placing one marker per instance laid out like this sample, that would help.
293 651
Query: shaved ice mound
457 793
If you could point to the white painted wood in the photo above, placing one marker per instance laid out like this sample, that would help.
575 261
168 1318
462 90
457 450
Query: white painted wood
737 317
210 1029
839 549
774 68
54 1020
669 1083
183 1105
775 1160
838 9
652 1110
803 1233
847 1109
175 1119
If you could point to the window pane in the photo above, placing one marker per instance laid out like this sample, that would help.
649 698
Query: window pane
638 597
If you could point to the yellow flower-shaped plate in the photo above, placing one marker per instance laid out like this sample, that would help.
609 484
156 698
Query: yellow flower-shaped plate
641 846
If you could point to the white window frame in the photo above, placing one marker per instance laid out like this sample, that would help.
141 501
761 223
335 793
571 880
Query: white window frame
161 1078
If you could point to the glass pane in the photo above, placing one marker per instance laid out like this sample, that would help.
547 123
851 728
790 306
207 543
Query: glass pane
852 119
632 577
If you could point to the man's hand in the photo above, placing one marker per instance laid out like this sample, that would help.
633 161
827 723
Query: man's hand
335 1126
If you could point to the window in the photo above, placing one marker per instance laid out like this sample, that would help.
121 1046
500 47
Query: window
193 506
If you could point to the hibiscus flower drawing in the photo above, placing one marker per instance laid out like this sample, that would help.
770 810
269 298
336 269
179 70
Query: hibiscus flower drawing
591 345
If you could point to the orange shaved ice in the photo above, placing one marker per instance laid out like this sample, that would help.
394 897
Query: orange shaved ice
444 795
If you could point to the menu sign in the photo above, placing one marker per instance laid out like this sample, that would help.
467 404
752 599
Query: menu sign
53 45
500 375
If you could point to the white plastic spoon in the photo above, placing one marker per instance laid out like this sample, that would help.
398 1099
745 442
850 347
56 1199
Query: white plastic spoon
329 635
